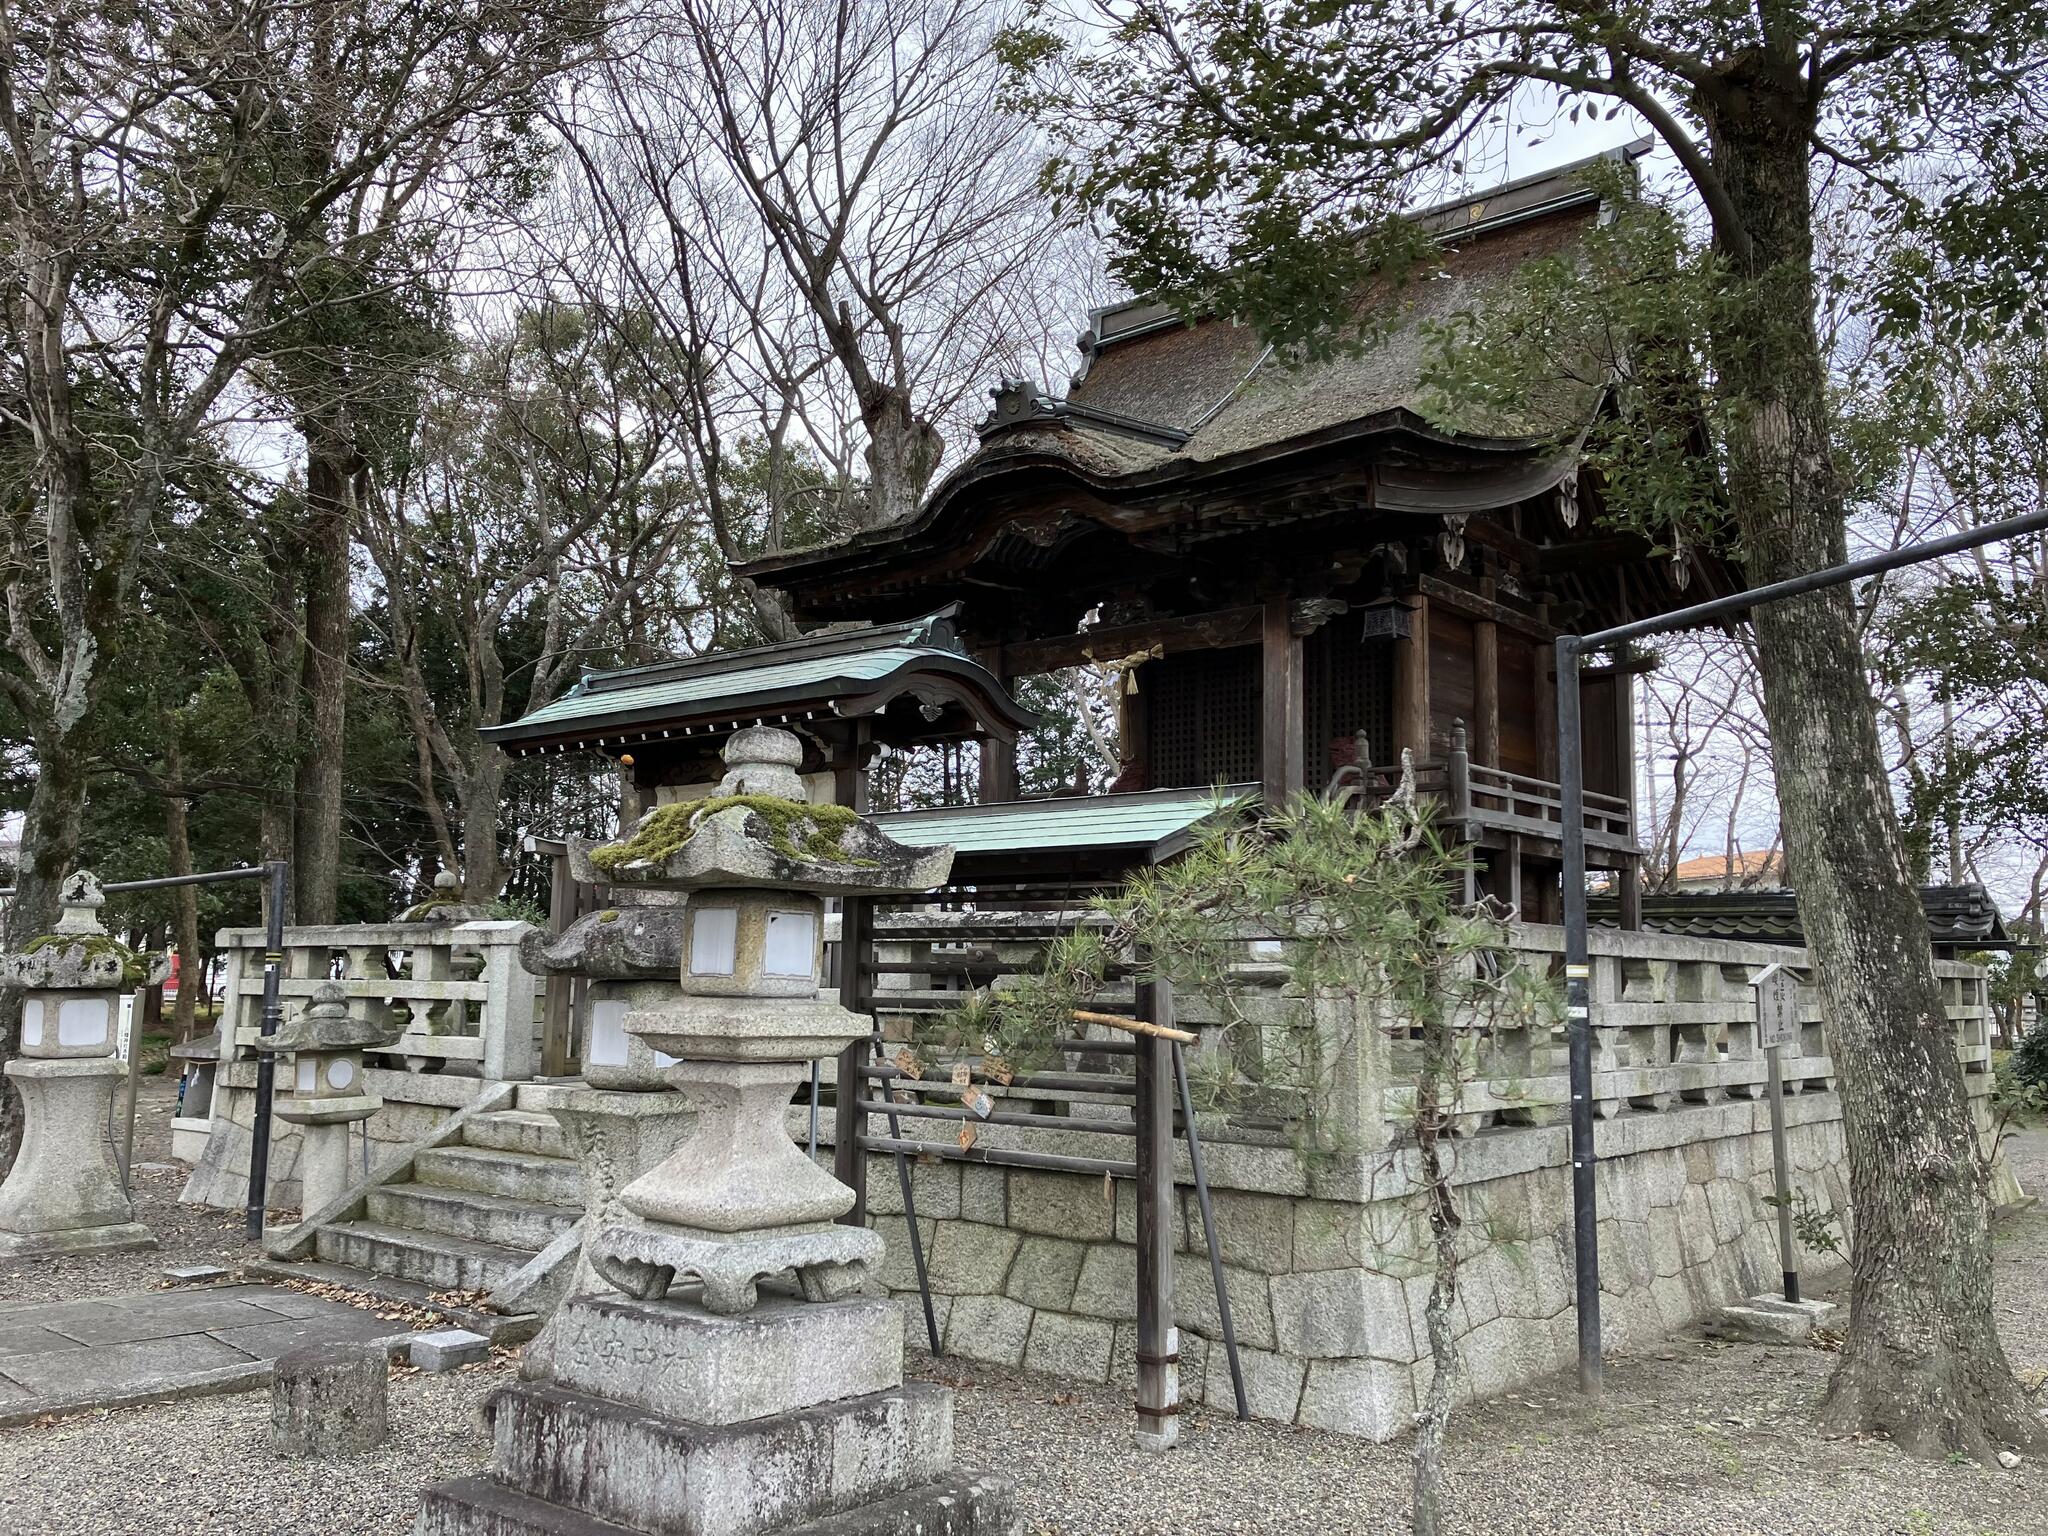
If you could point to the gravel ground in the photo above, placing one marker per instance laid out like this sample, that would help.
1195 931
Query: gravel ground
1701 1439
204 1467
185 1234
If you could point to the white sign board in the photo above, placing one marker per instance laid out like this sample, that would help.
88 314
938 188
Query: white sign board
1777 1007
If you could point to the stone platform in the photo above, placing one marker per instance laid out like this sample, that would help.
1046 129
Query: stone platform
63 1356
663 1419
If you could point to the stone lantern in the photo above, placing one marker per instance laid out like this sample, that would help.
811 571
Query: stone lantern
739 1201
746 1382
328 1094
64 1194
625 1120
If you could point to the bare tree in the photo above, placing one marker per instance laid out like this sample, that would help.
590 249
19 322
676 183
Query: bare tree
543 502
825 207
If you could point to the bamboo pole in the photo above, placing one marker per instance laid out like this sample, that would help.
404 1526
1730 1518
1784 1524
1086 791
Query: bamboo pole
1135 1026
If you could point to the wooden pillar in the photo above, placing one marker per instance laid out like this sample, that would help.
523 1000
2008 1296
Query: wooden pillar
1546 712
1486 687
1411 682
1158 1398
557 1046
850 775
998 770
1629 888
998 779
849 1159
1628 876
1280 703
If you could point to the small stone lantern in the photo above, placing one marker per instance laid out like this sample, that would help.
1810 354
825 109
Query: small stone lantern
64 1194
739 1201
326 1044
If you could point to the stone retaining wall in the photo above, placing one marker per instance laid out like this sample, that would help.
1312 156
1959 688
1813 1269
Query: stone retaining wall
1039 1269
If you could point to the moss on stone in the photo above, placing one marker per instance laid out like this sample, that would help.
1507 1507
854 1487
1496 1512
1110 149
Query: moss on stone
134 964
797 830
425 911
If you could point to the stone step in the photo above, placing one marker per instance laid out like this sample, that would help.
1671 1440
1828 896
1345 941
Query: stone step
960 1504
521 1175
498 1327
475 1506
500 1219
430 1258
652 1473
517 1130
539 1098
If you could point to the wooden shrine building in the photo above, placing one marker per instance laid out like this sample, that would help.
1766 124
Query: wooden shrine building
1293 568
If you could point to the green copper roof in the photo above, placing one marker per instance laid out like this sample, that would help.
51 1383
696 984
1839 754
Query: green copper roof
769 677
1154 820
859 669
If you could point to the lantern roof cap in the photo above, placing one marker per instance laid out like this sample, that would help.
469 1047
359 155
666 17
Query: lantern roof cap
756 830
325 1024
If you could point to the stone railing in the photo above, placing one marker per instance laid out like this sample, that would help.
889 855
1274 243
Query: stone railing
1674 1023
1325 1259
467 1005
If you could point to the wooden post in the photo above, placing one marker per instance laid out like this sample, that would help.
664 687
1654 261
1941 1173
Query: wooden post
998 783
558 1010
849 1157
1486 692
1280 684
1546 713
998 770
1158 1401
1411 683
1629 890
1625 734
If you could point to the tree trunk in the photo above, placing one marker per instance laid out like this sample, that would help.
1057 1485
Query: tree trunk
903 450
318 780
1923 1363
482 793
50 832
178 854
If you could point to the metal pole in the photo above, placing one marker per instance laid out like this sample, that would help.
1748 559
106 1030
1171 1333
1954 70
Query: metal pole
1812 581
924 1285
266 1062
812 1147
1578 1015
1781 1171
1187 1115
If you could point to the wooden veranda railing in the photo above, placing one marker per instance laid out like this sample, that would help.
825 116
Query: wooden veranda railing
1477 795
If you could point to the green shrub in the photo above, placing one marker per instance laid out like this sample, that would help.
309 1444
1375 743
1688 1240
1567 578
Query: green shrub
2030 1059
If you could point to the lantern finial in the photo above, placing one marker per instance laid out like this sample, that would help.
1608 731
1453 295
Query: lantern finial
81 898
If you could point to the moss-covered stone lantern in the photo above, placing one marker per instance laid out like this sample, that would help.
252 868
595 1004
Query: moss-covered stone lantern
328 1093
738 1201
64 1194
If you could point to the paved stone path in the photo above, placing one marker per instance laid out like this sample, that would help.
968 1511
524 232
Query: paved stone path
61 1356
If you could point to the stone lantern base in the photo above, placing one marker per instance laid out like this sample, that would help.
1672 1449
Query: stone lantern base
660 1417
64 1194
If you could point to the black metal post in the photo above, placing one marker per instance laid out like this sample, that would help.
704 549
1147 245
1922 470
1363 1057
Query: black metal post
924 1284
266 1061
1572 795
811 1147
1578 1015
1187 1115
